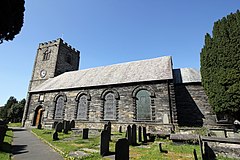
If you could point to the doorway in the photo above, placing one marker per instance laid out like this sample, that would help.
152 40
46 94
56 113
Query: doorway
38 116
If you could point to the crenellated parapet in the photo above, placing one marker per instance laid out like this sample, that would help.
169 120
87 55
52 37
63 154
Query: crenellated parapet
56 43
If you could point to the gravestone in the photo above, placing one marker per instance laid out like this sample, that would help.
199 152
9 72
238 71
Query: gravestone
122 149
105 127
65 126
85 133
161 150
69 126
144 135
109 130
134 135
72 124
208 152
129 134
195 154
55 136
104 146
39 126
201 146
139 134
59 127
54 124
120 129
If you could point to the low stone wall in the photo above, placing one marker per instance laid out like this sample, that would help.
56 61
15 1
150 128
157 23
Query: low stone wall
151 127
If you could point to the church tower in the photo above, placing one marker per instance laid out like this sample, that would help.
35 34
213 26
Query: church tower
53 58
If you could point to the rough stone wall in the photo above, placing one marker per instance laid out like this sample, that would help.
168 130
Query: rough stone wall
126 106
192 105
68 59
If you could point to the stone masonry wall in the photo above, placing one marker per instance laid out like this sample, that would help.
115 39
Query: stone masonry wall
125 110
193 109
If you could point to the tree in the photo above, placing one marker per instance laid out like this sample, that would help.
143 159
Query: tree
220 65
11 18
13 110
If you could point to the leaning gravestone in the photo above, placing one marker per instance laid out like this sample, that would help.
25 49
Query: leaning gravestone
134 135
122 149
85 133
144 135
104 146
59 127
139 134
129 134
55 136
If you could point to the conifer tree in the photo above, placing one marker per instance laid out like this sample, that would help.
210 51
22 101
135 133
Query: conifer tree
220 65
11 18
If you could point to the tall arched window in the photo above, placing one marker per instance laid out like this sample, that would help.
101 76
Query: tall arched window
110 107
59 109
82 109
143 105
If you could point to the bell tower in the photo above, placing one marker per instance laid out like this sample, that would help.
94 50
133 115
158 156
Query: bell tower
53 58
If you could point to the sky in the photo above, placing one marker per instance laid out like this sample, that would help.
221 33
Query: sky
108 32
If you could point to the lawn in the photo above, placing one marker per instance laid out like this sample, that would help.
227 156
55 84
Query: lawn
5 150
72 142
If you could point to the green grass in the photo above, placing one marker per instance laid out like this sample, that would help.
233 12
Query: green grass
14 124
70 142
5 150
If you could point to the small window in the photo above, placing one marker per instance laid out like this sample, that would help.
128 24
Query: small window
46 55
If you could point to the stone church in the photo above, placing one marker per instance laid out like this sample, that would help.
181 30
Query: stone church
147 92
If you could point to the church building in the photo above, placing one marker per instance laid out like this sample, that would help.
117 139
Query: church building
147 92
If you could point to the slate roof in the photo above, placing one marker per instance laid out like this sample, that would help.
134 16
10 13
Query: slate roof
136 71
186 75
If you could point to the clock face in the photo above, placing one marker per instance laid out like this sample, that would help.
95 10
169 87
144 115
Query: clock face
43 73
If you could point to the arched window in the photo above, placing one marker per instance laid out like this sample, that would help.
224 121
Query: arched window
143 105
59 109
82 108
110 107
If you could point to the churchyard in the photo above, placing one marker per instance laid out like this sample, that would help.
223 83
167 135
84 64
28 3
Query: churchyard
93 144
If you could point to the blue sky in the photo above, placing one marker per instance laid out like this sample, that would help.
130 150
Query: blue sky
109 32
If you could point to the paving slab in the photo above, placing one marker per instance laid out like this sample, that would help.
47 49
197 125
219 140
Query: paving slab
27 146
